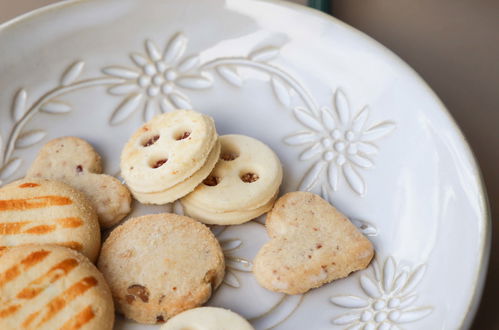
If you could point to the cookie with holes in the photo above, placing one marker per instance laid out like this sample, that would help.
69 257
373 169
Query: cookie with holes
242 186
37 211
75 162
49 287
169 156
160 265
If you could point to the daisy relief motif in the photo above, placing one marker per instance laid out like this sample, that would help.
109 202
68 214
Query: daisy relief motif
389 301
158 79
341 143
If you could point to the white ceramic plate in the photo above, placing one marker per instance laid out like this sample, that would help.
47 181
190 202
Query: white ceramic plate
348 119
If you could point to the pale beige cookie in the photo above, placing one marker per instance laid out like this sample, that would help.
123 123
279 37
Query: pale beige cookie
183 188
168 149
207 318
38 211
160 265
226 218
75 162
247 177
311 244
46 287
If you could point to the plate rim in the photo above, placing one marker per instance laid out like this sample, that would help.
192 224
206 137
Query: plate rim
485 239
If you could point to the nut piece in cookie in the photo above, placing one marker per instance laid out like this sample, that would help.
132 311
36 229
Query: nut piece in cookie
311 244
75 162
52 287
242 186
37 211
207 318
160 265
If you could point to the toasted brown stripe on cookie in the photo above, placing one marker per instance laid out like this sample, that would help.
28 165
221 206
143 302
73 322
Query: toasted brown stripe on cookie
28 262
29 185
33 203
80 319
58 303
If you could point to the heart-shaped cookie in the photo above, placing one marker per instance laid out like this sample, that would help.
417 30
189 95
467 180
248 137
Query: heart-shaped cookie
311 244
75 162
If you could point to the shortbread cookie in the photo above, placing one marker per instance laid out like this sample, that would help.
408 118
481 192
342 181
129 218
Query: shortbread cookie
183 188
75 162
207 318
167 150
245 181
47 287
160 265
37 211
311 244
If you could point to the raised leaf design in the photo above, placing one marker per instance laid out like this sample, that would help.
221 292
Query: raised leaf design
175 49
264 54
231 280
360 161
346 319
400 281
407 301
301 138
19 105
366 228
310 179
230 74
333 176
349 301
139 59
281 91
152 50
165 105
414 314
342 107
231 244
369 287
72 73
378 131
239 264
149 110
328 119
10 168
189 63
194 82
354 180
30 138
125 109
414 280
304 117
311 152
360 120
120 72
388 274
180 101
367 148
55 107
122 89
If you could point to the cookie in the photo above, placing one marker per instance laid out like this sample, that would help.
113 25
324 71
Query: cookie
183 188
207 318
47 287
160 265
37 211
166 151
242 186
311 244
75 162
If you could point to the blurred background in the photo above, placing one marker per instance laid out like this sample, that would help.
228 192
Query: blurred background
454 46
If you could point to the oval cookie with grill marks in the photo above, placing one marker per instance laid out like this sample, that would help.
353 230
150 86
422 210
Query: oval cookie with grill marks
36 211
52 287
160 265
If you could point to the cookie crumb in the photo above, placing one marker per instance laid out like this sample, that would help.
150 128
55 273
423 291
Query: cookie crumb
79 169
160 319
140 291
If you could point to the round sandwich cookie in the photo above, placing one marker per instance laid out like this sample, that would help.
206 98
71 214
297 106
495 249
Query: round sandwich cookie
207 318
242 186
160 265
75 162
167 151
47 287
37 211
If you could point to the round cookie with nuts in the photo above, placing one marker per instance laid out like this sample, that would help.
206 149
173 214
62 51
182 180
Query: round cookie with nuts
160 265
242 186
37 211
51 287
169 156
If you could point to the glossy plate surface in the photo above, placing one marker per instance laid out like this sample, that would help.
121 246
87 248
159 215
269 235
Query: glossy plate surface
348 119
